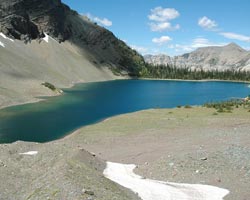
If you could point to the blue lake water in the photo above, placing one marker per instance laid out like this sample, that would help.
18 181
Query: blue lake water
88 103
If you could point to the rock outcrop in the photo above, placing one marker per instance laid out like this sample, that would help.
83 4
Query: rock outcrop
226 57
29 19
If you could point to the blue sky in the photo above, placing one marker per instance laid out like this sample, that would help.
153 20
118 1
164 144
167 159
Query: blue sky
171 27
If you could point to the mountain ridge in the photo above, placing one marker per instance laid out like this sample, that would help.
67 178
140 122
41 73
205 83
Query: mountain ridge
231 56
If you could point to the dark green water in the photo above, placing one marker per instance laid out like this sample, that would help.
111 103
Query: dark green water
88 103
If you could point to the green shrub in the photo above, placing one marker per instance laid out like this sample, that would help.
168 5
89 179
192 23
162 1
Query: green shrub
227 106
50 86
220 110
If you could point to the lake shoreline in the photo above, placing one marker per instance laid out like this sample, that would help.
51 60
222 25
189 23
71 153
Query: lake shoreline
37 99
190 145
190 80
74 109
187 145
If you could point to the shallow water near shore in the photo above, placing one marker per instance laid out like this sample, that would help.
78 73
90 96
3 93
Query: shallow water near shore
88 103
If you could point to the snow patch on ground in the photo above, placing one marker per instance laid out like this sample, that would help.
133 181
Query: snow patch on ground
46 38
2 44
5 37
30 153
148 189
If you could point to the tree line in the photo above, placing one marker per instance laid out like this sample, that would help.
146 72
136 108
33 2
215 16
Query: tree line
173 72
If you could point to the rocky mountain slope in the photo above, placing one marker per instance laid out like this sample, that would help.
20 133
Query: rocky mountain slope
230 56
46 41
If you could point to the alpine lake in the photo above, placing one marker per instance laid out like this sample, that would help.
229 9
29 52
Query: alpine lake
88 103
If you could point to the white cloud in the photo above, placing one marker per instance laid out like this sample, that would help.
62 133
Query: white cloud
161 18
161 40
201 42
164 26
207 23
236 36
247 48
182 48
196 43
171 46
163 14
101 21
140 49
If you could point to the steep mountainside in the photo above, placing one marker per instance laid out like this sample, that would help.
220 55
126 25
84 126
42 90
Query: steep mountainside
230 56
46 41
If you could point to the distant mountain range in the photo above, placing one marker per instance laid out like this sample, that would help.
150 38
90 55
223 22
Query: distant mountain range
230 56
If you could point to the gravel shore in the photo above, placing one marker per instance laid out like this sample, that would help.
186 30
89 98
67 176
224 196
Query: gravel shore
182 145
185 145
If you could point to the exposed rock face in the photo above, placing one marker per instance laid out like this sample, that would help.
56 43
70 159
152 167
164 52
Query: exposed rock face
230 56
160 59
28 19
31 19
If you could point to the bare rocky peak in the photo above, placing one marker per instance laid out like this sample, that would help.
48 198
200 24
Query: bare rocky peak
235 46
231 56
